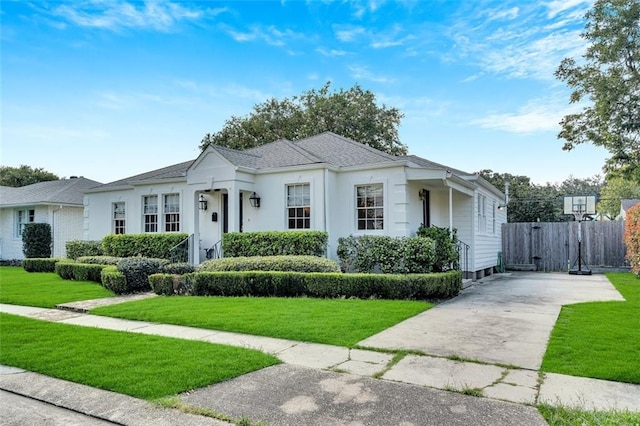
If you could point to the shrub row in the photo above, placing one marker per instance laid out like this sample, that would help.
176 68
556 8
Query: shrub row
77 248
271 263
291 284
136 271
446 254
79 271
99 260
47 264
274 243
113 280
389 255
632 238
145 245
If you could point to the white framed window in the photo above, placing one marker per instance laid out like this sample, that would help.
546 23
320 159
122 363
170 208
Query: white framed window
119 223
171 213
299 206
482 213
369 206
150 213
23 217
493 218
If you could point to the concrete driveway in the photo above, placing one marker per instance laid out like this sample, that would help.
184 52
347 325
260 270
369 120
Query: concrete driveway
505 319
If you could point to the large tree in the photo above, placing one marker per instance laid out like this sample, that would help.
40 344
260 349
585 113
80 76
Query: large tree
615 189
352 113
24 175
607 79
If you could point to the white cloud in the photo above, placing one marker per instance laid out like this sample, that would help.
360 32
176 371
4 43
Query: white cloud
270 35
557 7
331 52
116 15
348 33
363 73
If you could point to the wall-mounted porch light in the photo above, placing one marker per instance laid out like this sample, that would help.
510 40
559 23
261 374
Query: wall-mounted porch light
202 203
254 200
422 194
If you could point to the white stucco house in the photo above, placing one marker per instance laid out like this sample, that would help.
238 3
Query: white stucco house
58 203
325 183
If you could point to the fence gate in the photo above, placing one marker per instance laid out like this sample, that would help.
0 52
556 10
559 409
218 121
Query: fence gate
553 246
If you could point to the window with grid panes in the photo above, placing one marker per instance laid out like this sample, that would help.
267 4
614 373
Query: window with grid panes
370 206
22 218
172 213
118 218
150 213
299 206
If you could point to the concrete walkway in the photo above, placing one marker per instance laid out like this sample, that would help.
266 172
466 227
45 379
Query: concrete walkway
528 303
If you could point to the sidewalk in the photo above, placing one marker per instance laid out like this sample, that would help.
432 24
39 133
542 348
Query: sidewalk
521 386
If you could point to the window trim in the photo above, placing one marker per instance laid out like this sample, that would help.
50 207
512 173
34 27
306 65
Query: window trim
482 213
30 214
357 209
115 226
166 214
149 215
305 218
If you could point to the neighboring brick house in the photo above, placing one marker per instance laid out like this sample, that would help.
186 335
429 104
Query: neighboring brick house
58 203
325 183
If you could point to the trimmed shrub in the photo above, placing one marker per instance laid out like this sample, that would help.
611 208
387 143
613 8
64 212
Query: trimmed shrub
632 238
65 269
136 271
271 263
145 245
446 254
36 240
77 248
329 285
10 262
388 255
274 243
40 265
169 284
99 260
114 280
179 268
88 272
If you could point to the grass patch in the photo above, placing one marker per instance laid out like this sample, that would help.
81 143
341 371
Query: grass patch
44 289
599 339
342 322
562 416
142 366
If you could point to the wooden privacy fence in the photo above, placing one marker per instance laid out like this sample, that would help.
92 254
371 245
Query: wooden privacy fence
550 246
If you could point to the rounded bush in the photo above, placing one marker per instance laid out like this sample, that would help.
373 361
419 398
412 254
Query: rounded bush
271 263
179 268
136 271
99 260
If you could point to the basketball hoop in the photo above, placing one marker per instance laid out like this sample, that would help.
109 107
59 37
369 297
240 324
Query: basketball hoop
580 206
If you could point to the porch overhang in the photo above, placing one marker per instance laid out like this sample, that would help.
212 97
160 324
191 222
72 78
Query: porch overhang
441 179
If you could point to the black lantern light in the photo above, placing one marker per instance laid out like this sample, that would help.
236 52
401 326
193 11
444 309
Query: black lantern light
254 200
202 203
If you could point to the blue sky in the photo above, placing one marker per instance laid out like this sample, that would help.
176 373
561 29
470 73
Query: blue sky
108 89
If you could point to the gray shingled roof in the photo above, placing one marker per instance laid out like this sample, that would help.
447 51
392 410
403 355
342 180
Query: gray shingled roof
63 191
170 172
343 152
423 162
282 153
627 204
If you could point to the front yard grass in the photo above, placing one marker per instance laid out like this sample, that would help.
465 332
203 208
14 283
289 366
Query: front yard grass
599 339
341 322
562 416
142 366
44 289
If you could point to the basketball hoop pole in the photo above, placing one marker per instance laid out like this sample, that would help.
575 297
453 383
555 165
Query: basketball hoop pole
579 215
579 206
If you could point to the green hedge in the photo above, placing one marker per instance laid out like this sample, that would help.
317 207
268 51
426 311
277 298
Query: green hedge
144 245
65 269
179 268
99 260
271 263
113 280
37 240
35 264
328 285
275 243
77 248
446 254
389 255
137 270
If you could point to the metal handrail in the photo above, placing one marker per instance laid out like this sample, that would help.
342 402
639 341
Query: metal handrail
463 257
215 251
178 255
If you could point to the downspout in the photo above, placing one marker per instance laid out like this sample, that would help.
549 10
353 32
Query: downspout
451 211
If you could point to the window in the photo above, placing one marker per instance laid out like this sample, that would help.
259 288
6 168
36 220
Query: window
172 213
370 206
118 218
493 217
150 213
299 206
482 213
22 218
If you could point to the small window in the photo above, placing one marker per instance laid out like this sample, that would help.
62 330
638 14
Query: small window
172 213
22 218
299 206
119 218
482 213
493 218
370 207
150 213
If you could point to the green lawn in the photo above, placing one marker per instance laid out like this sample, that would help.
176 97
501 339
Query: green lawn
599 339
342 322
44 289
561 416
142 366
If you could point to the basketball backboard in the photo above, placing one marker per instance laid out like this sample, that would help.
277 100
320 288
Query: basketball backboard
583 204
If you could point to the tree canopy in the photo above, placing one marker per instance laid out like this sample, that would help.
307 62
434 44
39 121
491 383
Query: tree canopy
24 175
607 78
529 202
351 113
616 189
